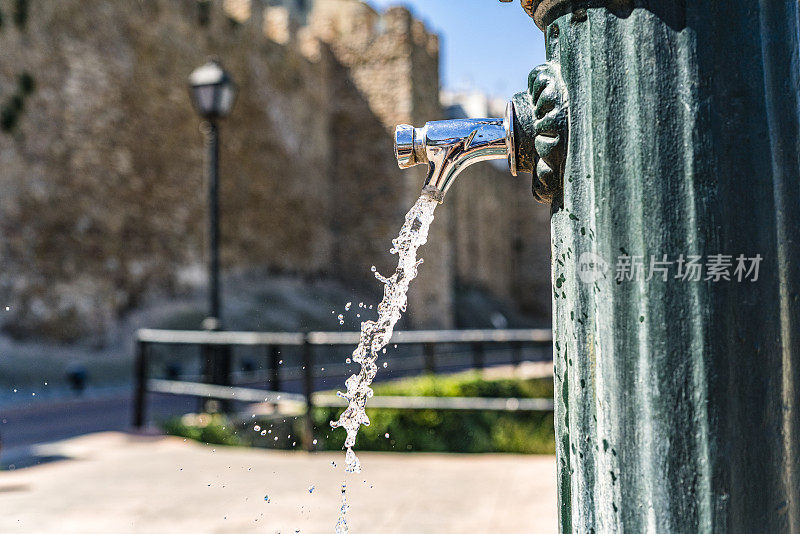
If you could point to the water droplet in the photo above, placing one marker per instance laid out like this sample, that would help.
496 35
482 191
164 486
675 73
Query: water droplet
256 428
314 442
263 432
386 435
352 463
385 365
347 306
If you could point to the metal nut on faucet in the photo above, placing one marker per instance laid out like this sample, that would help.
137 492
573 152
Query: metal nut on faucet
404 146
550 126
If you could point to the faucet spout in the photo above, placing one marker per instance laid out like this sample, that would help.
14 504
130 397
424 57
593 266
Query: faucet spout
449 147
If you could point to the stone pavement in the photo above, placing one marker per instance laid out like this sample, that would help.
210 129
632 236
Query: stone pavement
117 483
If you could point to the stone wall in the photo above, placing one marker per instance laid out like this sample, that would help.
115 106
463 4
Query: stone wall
102 186
500 238
102 196
387 74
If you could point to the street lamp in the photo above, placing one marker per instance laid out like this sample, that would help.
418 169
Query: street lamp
213 93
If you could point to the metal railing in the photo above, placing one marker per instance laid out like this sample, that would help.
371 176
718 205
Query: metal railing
216 379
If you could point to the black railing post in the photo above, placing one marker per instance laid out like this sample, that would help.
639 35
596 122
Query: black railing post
516 352
429 350
217 370
207 354
477 355
274 368
308 391
223 359
140 386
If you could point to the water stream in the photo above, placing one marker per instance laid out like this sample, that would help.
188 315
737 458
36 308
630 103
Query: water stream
375 335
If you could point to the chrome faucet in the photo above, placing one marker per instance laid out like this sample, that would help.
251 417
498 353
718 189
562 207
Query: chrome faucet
449 147
532 136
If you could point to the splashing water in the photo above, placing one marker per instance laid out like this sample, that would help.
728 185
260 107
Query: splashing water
375 335
341 524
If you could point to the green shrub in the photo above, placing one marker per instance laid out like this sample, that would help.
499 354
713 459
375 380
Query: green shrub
446 431
452 430
213 429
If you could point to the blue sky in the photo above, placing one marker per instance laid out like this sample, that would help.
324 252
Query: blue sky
486 44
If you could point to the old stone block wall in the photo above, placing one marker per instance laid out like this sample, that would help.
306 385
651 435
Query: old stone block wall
387 73
500 238
103 200
102 196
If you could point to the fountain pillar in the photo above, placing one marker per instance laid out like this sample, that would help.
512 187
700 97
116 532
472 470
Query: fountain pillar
677 395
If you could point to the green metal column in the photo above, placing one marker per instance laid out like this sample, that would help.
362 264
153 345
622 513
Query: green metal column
677 399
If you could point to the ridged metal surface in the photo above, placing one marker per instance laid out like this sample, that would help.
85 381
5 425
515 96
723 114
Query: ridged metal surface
677 402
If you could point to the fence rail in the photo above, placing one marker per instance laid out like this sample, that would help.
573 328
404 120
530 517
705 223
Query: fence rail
202 337
216 349
211 391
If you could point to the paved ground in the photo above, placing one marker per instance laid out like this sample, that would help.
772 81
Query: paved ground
113 482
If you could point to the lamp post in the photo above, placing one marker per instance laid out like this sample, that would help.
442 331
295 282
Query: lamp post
213 93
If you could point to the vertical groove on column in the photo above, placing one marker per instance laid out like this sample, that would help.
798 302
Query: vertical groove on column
779 87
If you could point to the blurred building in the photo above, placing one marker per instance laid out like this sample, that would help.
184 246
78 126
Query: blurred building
500 234
103 202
